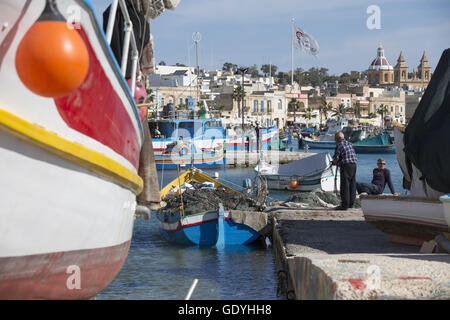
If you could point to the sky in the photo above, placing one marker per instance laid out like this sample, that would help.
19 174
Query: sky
248 32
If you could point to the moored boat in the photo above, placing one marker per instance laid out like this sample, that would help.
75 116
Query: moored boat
207 225
405 219
198 142
238 140
378 144
310 173
69 158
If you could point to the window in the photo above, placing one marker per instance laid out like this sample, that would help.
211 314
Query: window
185 125
280 105
255 105
403 74
262 105
386 77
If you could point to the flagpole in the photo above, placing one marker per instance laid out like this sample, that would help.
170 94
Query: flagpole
292 55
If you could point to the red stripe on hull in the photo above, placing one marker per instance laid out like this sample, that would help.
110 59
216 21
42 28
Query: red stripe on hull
96 110
44 276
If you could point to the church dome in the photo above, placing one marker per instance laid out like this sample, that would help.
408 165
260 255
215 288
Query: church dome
380 62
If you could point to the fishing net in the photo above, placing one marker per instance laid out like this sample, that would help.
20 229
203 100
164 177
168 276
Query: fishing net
319 198
200 199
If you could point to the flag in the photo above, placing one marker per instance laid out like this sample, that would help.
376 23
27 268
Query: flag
305 42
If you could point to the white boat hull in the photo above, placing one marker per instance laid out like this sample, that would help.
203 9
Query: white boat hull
68 168
405 219
327 181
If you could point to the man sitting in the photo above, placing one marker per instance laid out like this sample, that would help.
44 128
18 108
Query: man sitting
381 176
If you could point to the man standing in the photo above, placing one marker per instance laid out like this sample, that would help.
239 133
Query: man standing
345 158
381 177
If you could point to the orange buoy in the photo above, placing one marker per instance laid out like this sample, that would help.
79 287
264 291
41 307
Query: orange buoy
52 59
293 184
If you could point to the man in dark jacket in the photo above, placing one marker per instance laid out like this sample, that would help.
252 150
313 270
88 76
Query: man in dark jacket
381 177
345 158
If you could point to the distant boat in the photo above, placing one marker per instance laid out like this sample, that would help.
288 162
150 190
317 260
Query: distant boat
310 173
323 142
377 144
217 227
198 142
235 138
326 140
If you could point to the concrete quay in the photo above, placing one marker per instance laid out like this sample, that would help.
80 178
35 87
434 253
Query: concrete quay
246 159
329 254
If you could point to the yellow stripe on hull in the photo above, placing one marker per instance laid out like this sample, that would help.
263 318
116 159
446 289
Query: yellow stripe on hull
70 151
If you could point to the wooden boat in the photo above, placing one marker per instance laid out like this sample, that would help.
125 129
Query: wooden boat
405 219
377 144
210 228
324 142
68 157
310 173
199 142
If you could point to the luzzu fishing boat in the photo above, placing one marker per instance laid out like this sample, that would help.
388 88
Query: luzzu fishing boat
377 144
70 142
237 140
216 227
198 142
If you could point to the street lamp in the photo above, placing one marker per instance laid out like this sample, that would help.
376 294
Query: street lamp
197 36
242 70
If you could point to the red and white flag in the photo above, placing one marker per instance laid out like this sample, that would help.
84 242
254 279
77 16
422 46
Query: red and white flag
305 42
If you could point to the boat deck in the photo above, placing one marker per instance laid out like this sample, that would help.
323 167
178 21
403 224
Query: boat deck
328 254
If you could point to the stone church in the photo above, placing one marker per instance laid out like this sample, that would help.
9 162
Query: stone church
381 73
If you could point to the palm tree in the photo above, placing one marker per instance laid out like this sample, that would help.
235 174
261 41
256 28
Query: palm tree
294 104
340 110
237 96
308 114
325 108
382 110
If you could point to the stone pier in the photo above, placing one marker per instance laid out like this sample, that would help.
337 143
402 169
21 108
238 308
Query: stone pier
328 254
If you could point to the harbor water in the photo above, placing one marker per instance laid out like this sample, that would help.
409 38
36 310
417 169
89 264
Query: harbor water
156 269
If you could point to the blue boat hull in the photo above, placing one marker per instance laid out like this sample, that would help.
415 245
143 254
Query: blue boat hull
206 229
319 144
172 164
